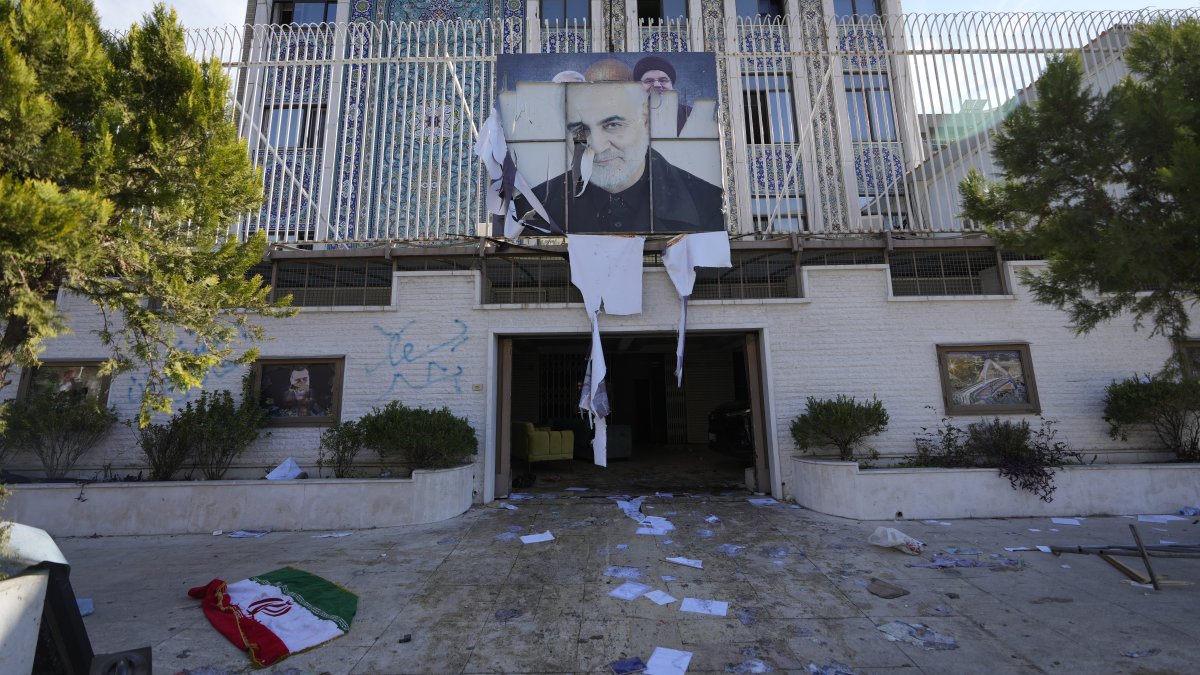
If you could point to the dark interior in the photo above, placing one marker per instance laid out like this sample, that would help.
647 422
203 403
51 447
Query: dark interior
658 432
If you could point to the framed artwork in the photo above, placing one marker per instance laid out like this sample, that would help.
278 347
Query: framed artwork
65 376
987 379
1189 352
298 391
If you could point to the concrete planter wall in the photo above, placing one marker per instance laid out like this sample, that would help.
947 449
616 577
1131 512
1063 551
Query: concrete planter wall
190 507
842 489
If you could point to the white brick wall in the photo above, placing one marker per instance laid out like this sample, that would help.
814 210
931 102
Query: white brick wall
433 349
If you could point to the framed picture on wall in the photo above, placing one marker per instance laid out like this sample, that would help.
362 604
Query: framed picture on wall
987 379
298 391
1189 352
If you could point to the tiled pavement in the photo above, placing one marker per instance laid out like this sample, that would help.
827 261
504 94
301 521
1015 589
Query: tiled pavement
475 600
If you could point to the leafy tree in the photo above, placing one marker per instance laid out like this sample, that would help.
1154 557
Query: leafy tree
1106 186
120 170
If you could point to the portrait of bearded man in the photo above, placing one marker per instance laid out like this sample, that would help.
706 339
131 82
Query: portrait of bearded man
631 187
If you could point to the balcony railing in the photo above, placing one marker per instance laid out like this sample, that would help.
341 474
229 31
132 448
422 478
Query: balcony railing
365 131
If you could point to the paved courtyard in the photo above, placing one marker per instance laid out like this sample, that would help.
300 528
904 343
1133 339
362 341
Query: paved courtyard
475 599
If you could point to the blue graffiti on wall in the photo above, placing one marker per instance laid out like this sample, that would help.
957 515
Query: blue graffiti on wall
431 363
137 386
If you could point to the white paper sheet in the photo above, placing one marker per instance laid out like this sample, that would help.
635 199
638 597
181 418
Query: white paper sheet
1065 521
712 519
332 535
1158 519
698 606
762 501
630 590
1044 549
536 538
660 597
687 562
608 269
666 661
288 469
510 507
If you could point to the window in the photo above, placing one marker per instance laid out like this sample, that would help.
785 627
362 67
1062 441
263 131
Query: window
1189 353
66 376
760 8
772 214
295 126
753 275
299 391
987 379
869 98
945 273
302 11
333 283
573 13
528 279
770 116
853 9
661 10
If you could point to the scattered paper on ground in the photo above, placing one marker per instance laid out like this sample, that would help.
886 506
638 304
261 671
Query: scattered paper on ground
622 572
698 606
246 534
1158 519
535 538
712 519
332 535
687 562
666 661
510 507
917 634
630 590
1065 521
762 501
660 597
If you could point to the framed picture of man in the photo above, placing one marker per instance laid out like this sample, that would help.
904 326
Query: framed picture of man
614 143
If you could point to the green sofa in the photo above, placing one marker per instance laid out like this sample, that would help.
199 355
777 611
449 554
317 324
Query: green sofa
541 444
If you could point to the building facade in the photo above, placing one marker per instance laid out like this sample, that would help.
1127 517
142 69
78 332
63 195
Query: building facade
845 127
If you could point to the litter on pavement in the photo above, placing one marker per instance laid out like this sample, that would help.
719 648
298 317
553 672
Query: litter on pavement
536 538
698 606
890 537
917 634
666 661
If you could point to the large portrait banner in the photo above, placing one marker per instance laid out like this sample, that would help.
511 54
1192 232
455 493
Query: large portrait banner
613 143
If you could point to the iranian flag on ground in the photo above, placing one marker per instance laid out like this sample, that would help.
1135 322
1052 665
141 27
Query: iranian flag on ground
279 613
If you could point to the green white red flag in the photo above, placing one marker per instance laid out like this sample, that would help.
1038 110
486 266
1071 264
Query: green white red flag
274 615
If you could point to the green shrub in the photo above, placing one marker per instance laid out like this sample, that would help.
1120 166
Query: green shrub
842 422
1023 455
219 430
165 447
57 427
342 441
1169 406
415 438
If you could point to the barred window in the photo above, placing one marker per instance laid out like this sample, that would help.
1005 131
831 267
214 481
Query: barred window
528 280
945 273
753 275
853 257
432 264
324 283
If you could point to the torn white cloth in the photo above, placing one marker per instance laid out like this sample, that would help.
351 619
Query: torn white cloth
607 270
492 148
682 255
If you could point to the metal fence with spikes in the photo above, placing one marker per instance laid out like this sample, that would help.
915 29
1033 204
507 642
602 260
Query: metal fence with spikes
364 132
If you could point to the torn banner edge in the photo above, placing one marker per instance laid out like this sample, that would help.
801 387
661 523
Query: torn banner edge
681 256
504 180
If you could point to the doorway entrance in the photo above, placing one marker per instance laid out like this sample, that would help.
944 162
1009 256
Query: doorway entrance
708 435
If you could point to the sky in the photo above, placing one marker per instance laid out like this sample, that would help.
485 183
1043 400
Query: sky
119 14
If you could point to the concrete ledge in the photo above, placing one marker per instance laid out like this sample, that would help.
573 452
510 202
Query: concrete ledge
191 507
842 489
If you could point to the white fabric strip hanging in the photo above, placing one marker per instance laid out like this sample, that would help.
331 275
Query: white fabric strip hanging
682 255
607 269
